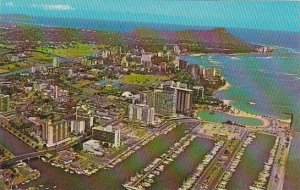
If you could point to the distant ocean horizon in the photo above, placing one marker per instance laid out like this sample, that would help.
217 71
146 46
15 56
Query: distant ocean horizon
261 37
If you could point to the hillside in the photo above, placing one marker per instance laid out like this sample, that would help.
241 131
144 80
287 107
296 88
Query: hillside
217 40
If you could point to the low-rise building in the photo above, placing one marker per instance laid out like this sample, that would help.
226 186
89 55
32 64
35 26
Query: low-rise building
93 146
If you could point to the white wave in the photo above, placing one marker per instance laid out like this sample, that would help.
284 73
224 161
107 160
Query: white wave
290 74
296 51
215 62
235 58
269 57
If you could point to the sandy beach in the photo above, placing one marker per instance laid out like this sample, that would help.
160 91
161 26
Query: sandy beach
197 54
225 87
266 121
240 113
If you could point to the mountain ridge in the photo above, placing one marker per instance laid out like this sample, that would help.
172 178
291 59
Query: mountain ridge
217 40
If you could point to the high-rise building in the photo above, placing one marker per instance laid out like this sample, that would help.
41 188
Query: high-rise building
55 92
183 96
78 127
177 50
202 72
146 60
70 73
105 54
184 100
33 69
141 113
211 73
107 135
86 115
55 132
198 91
56 62
163 101
5 103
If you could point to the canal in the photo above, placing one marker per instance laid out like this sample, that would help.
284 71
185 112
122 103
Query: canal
104 179
252 162
184 165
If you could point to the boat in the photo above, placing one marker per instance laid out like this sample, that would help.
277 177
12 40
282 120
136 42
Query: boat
252 103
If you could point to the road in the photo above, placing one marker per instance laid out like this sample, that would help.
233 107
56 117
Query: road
214 180
278 169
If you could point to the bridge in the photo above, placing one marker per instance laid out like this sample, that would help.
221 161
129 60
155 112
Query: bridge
39 154
23 157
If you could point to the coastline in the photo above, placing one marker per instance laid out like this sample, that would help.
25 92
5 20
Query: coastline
240 113
196 54
225 87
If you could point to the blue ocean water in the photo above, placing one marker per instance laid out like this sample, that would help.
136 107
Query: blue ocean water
272 82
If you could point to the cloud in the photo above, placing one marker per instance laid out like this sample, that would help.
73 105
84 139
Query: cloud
57 7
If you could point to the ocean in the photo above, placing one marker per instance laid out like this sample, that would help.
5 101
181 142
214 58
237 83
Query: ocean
272 82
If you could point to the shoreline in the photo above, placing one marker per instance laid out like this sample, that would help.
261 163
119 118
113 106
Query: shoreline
265 119
197 54
240 113
225 87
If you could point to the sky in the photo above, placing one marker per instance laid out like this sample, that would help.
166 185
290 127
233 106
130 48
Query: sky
264 15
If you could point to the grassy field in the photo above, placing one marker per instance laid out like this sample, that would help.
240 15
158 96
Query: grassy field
37 57
74 51
40 57
143 79
4 50
90 91
3 71
83 83
13 67
7 46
